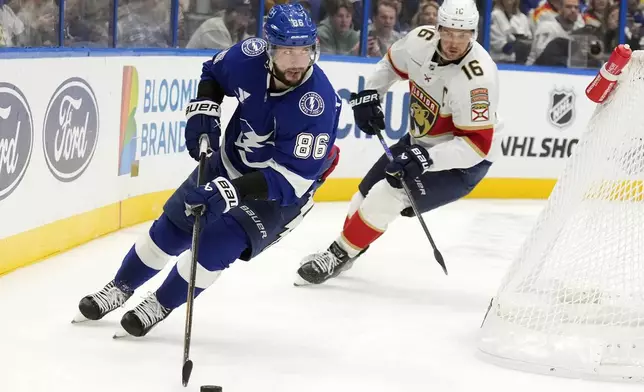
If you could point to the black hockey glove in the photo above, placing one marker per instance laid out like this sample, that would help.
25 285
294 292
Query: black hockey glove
411 163
367 111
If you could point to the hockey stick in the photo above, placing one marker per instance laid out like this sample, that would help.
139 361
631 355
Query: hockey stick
204 146
437 255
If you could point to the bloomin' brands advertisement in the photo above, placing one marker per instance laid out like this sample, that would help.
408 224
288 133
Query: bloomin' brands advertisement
151 118
151 144
95 131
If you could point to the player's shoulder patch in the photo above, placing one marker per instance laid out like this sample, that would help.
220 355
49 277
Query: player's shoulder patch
219 56
311 104
480 102
253 47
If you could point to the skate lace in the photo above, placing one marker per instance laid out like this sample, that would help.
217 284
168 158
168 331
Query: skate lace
150 311
326 262
111 297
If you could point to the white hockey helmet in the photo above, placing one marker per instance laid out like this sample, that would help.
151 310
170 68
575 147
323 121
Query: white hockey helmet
459 14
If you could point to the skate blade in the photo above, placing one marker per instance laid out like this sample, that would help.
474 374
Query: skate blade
299 281
79 318
120 334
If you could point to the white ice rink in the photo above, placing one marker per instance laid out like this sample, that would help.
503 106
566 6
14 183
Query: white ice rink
392 323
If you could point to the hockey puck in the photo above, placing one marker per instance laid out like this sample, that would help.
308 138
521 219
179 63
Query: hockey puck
211 388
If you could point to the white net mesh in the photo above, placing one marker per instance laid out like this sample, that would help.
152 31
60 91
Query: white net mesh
573 302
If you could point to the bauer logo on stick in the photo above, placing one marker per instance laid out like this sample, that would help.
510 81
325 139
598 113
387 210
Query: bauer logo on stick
70 133
16 137
561 112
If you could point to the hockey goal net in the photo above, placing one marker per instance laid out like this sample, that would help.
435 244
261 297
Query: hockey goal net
572 303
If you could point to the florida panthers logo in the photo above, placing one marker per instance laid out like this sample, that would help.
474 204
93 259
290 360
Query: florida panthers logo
423 109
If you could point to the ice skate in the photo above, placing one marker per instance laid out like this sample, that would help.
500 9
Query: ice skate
140 320
96 306
319 267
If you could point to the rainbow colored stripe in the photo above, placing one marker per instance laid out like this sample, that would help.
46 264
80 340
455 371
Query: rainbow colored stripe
127 134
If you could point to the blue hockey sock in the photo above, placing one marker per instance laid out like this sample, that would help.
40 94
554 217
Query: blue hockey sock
151 252
221 243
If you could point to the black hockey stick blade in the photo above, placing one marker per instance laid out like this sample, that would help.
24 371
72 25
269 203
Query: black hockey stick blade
185 372
439 257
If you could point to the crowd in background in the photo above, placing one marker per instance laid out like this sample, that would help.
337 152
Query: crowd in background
572 33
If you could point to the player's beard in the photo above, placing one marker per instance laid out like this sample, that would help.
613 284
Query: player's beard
291 76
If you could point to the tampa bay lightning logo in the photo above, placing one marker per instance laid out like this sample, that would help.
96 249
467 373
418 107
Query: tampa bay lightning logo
253 47
312 104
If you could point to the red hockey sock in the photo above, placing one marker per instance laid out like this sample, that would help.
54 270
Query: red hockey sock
358 234
346 221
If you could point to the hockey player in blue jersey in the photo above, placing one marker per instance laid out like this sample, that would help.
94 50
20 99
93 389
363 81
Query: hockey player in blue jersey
276 150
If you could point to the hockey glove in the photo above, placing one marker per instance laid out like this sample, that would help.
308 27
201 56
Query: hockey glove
367 111
202 118
212 199
411 163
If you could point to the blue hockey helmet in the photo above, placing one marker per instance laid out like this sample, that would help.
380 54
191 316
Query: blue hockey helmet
290 25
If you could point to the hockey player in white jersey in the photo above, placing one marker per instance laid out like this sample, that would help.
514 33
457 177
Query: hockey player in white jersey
451 143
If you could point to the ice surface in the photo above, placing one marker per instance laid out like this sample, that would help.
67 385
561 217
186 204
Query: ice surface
392 323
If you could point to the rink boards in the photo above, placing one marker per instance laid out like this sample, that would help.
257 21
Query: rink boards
92 144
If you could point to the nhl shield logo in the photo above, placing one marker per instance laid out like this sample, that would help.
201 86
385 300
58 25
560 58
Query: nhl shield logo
561 112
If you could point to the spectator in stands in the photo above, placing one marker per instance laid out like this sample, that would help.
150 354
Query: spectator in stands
336 33
144 23
398 6
357 14
526 6
223 31
427 14
634 25
634 12
547 10
87 23
40 19
381 32
611 37
595 14
510 34
548 30
402 24
11 27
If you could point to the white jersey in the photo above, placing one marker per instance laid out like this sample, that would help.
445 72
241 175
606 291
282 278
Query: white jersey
452 107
